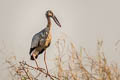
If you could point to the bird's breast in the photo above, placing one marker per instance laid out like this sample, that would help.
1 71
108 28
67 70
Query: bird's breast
48 39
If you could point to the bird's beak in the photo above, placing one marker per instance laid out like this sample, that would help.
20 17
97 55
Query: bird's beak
56 21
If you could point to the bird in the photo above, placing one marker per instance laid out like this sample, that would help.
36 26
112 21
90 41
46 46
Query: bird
42 40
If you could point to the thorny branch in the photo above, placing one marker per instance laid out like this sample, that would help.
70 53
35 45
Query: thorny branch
39 69
23 71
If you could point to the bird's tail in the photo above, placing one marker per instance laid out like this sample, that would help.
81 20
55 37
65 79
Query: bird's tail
34 55
33 58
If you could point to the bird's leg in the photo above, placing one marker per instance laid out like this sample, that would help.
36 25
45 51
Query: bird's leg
35 61
38 68
45 62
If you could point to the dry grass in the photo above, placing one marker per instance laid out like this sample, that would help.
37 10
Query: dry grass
86 67
77 66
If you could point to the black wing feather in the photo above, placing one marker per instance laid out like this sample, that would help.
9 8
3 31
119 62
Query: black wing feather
31 49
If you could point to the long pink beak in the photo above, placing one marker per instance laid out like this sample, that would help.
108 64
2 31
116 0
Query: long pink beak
56 21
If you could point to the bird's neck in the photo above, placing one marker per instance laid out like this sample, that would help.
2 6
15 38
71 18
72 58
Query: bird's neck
49 22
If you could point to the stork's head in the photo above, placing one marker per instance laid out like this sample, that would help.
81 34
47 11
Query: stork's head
49 13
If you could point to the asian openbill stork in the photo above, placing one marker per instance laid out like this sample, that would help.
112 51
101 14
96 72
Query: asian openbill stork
41 40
